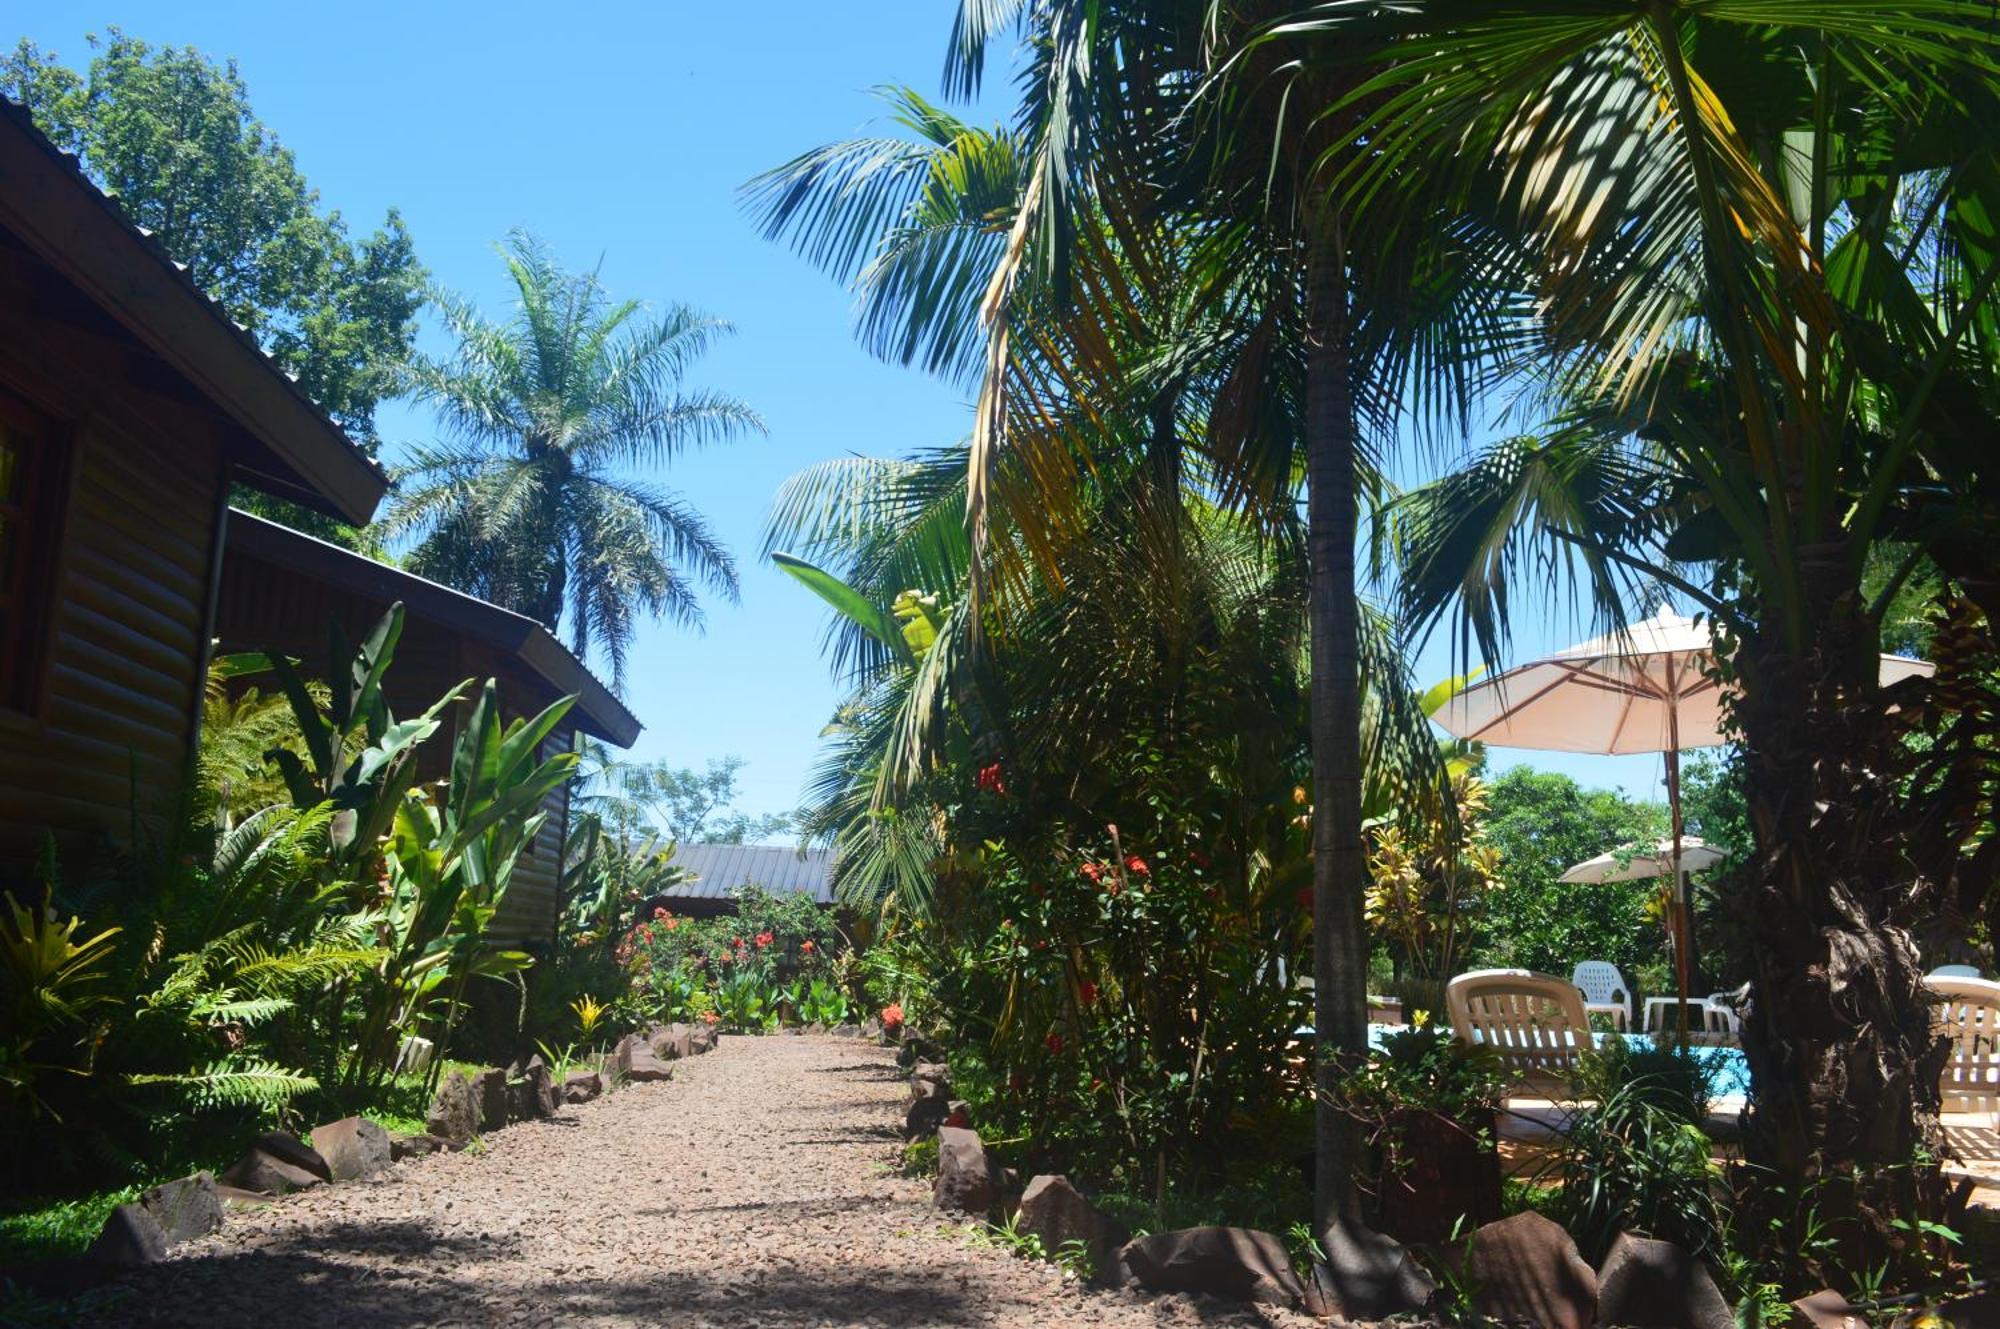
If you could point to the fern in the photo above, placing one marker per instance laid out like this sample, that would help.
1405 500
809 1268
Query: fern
235 1082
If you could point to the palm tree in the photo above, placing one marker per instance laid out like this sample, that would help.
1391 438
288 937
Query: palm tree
1765 283
539 503
1136 284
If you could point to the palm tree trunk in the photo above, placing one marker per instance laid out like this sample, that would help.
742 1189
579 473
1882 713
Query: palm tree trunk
1340 958
1838 1018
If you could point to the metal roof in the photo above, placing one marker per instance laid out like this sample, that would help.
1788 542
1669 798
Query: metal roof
721 868
598 710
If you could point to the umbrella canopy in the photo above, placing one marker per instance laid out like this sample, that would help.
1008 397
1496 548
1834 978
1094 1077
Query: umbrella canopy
1623 693
1695 856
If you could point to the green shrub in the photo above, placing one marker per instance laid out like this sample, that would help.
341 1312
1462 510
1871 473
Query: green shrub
1625 1163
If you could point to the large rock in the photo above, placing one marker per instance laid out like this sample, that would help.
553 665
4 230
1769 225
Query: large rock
930 1079
582 1087
1234 1262
1059 1214
617 1063
967 1179
1527 1269
548 1094
489 1087
924 1117
1369 1275
1827 1310
353 1148
130 1238
1647 1284
703 1038
646 1065
847 1031
276 1164
454 1113
184 1209
420 1146
672 1042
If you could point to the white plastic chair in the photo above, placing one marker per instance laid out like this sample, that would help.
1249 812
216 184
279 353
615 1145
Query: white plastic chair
1604 991
1968 1013
1953 971
1536 1022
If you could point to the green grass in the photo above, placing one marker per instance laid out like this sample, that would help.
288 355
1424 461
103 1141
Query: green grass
49 1229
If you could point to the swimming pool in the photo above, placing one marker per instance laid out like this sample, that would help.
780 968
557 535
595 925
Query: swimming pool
1730 1071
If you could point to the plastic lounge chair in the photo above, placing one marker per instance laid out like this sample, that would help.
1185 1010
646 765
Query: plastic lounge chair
1969 1014
1535 1021
1604 991
1953 971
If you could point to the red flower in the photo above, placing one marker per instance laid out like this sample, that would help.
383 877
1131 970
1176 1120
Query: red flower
1086 992
1305 898
711 1017
892 1015
764 939
993 780
659 913
805 948
647 933
672 923
1093 870
1054 1043
1136 864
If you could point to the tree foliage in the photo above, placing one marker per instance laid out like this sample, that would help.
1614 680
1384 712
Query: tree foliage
169 132
540 501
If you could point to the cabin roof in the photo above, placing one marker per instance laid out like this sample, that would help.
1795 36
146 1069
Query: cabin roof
598 711
282 443
779 869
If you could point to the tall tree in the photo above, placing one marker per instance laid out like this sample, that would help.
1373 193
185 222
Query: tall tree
539 502
169 132
1767 318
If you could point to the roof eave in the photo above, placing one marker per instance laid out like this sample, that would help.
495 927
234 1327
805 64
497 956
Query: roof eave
82 234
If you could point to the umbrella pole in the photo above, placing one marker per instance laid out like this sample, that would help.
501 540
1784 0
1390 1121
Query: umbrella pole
1682 978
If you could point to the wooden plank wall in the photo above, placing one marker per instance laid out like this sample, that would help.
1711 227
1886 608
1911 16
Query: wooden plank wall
133 586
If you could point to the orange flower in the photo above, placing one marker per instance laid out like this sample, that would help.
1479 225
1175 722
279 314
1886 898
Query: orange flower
1136 864
892 1015
805 948
763 939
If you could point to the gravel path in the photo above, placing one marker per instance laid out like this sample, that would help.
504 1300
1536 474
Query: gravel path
753 1189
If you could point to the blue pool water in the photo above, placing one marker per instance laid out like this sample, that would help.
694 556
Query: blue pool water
1731 1071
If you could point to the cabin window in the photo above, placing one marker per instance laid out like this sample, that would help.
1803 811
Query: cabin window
33 492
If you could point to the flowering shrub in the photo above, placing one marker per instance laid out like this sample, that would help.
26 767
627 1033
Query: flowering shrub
750 968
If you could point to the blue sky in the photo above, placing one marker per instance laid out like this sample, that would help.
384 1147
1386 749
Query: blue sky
619 133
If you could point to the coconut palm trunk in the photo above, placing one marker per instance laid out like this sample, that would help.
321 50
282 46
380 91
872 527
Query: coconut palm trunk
1340 957
1838 1015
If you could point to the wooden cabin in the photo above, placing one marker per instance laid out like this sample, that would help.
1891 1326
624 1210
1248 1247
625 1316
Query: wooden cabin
129 405
281 589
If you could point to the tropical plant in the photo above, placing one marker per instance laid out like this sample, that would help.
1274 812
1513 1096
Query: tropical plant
53 981
1626 1164
358 758
824 1003
451 860
535 505
1760 325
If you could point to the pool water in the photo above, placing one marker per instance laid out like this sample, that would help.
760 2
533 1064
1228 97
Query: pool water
1730 1071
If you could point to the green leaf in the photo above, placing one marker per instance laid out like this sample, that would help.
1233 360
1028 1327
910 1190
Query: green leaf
849 603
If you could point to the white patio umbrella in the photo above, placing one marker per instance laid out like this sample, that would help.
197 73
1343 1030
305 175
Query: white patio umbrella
1643 690
1696 856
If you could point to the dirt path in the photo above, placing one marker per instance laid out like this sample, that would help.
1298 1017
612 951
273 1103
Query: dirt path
753 1189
